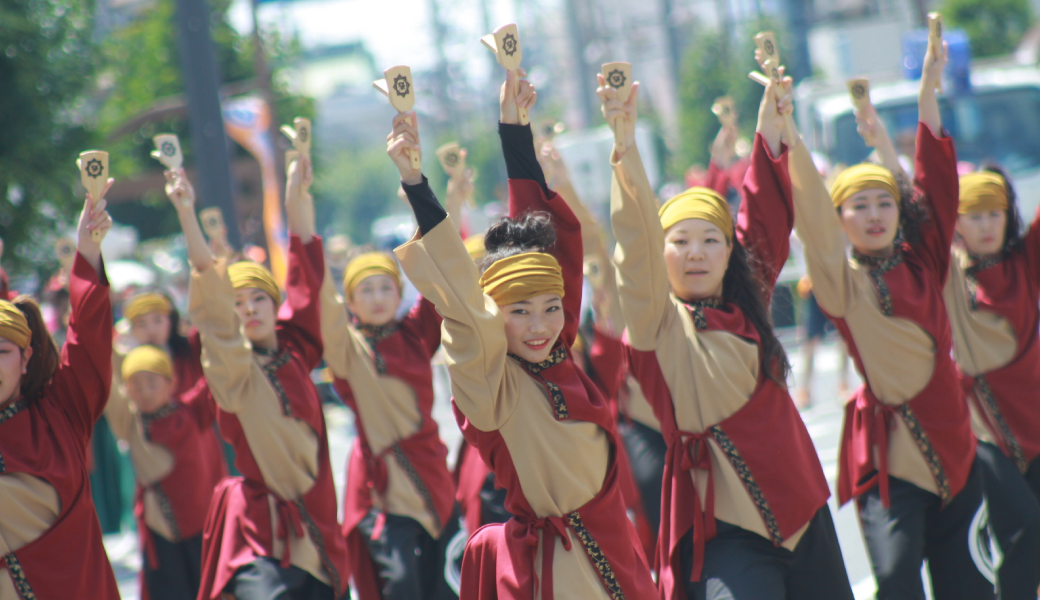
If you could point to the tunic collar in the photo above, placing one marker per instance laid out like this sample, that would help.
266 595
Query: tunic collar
12 409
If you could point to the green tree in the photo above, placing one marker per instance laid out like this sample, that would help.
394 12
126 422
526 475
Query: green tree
994 27
362 186
46 58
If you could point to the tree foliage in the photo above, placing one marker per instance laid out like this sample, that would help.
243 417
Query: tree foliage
46 68
994 27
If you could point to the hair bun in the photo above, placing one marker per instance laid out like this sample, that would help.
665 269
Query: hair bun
528 233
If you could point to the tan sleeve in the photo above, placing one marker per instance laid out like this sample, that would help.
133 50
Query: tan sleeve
473 327
642 278
819 228
335 329
117 410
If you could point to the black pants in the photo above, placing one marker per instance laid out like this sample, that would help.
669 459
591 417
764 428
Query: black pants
179 571
411 564
493 502
646 450
740 565
1033 478
266 579
954 539
1014 516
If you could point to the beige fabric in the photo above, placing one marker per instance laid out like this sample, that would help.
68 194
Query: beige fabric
636 406
898 356
710 374
982 341
387 406
561 465
28 507
285 448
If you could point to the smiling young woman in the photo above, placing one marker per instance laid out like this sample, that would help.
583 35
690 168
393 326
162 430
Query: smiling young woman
908 452
275 528
520 400
50 539
744 511
398 509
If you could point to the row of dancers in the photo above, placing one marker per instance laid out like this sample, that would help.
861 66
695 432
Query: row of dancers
707 486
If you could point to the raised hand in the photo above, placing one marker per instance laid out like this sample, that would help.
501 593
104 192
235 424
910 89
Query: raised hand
934 62
620 115
93 218
723 149
777 103
870 127
404 138
526 96
179 190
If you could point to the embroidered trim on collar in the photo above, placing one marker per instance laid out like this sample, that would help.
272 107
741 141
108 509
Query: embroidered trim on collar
163 412
697 310
971 281
556 357
878 267
12 409
271 371
373 335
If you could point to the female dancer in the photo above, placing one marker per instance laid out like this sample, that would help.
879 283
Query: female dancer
539 423
907 451
154 320
274 529
177 464
399 503
50 539
712 368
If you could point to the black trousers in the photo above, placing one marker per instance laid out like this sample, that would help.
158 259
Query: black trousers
411 564
493 502
1014 516
741 565
1033 478
179 571
916 527
266 579
646 450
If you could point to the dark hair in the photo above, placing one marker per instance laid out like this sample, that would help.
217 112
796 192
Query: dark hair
180 347
44 360
1013 224
531 232
742 285
912 213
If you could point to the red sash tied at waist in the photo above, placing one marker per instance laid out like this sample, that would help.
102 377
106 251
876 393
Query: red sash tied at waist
551 527
867 424
695 454
288 517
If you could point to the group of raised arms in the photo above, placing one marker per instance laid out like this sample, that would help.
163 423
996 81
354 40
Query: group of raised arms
646 449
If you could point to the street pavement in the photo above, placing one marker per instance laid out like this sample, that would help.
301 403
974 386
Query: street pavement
823 420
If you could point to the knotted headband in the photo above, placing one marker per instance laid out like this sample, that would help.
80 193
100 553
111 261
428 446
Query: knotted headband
522 277
246 274
147 358
13 325
982 191
864 176
698 203
147 303
367 265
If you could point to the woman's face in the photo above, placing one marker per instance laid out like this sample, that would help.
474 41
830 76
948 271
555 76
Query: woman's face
983 232
532 326
151 328
870 220
13 362
149 391
696 253
375 300
257 312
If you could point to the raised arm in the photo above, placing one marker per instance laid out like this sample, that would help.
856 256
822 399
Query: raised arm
300 314
874 133
766 215
931 74
1032 248
181 193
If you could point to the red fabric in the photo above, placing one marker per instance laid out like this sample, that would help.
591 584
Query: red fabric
916 288
238 526
721 180
49 439
499 564
1011 289
470 474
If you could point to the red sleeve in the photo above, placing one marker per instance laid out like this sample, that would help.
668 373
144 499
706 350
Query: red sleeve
607 356
300 316
525 195
200 401
935 168
766 215
83 379
427 321
717 179
4 285
1031 247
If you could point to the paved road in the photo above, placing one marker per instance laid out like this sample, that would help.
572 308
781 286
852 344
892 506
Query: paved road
823 419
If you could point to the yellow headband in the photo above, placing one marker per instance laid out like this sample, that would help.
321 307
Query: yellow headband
981 192
475 246
864 176
147 303
698 203
246 274
13 325
147 358
521 277
367 265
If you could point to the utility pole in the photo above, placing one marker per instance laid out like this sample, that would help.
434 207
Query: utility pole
442 76
585 91
205 121
263 79
798 14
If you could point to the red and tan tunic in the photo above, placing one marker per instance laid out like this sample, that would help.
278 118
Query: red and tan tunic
996 341
737 449
545 430
910 419
50 539
284 505
398 464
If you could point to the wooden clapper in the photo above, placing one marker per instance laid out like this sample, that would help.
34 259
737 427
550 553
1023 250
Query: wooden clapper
168 151
398 87
726 110
935 39
299 133
859 92
618 75
453 161
93 173
769 60
505 43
